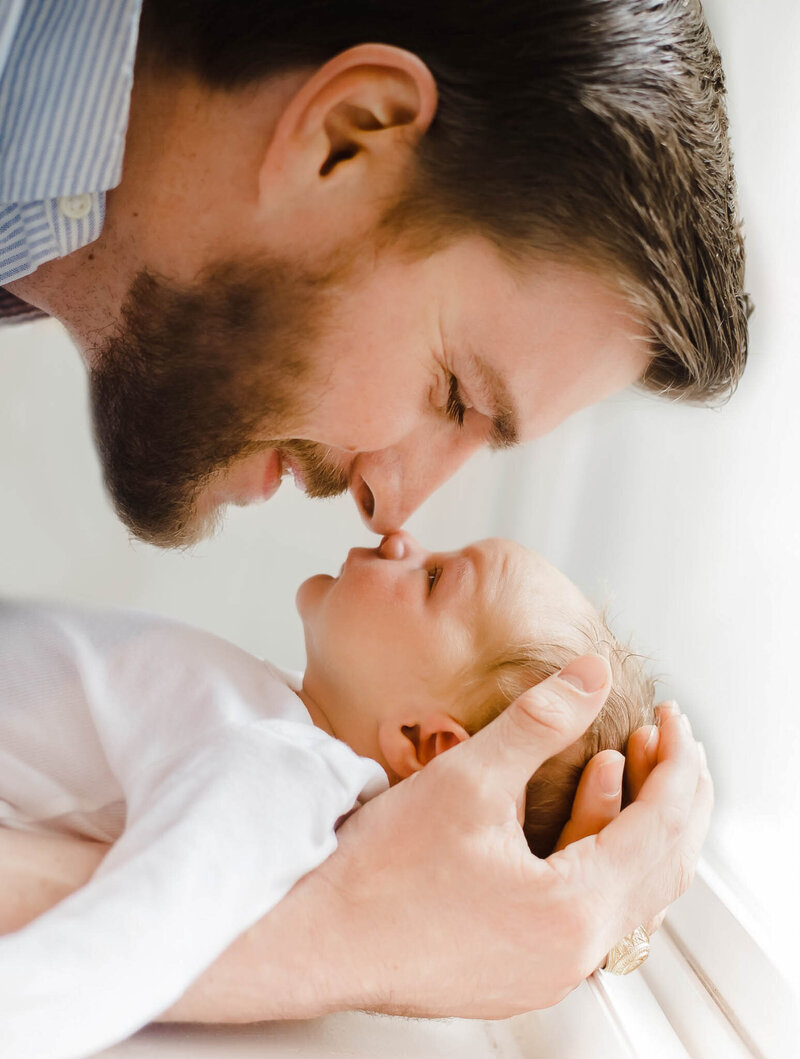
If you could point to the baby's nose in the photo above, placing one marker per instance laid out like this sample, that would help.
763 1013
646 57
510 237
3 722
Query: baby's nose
397 545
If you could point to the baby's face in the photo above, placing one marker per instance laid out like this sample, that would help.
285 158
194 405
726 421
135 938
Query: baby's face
391 634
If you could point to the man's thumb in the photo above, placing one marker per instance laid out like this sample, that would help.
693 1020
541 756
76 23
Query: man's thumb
543 721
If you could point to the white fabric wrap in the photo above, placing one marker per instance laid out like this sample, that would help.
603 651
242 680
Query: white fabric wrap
231 794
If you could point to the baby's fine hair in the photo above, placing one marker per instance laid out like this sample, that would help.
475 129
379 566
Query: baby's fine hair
630 704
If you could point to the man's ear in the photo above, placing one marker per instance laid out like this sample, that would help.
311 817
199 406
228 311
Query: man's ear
408 747
346 136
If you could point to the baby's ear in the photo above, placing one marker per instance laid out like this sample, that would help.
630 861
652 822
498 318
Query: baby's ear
408 744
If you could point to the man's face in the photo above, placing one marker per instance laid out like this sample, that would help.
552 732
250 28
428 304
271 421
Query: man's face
383 381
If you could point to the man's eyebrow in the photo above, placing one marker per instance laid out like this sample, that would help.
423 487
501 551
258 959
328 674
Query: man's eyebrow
505 418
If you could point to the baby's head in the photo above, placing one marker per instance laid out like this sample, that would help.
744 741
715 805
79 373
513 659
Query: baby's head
411 652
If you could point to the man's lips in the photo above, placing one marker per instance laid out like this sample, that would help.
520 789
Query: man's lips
294 468
255 489
273 470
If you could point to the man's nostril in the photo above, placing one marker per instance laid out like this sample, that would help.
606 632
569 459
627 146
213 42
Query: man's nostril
366 500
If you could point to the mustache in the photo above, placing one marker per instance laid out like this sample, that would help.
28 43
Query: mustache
321 474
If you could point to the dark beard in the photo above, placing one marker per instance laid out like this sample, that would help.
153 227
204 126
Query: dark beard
193 375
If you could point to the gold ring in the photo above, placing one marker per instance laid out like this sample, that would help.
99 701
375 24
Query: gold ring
629 953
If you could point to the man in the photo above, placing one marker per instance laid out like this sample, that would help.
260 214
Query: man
359 262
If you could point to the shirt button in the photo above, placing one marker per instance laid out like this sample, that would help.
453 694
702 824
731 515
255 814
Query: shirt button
76 207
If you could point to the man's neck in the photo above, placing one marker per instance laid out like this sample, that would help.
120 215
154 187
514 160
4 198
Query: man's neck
77 290
187 196
85 289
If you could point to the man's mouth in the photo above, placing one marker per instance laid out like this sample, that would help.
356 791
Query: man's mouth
292 466
273 472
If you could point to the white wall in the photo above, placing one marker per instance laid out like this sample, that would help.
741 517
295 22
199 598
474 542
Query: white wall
685 520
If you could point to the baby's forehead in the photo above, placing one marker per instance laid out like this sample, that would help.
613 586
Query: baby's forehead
528 570
530 593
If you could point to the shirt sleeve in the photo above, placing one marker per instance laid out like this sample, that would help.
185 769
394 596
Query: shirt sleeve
211 846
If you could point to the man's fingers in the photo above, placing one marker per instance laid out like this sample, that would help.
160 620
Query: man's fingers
598 798
667 795
642 750
646 858
665 826
540 723
641 755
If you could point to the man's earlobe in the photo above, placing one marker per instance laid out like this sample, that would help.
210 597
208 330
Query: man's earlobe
407 748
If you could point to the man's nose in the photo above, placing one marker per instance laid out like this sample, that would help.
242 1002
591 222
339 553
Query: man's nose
389 485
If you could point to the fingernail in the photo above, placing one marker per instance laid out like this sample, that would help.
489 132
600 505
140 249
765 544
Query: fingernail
667 709
703 758
651 746
610 778
687 724
588 674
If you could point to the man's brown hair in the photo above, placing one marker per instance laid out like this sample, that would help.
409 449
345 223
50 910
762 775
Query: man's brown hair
588 128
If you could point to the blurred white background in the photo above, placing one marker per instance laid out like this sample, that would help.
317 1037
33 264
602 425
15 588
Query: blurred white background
685 521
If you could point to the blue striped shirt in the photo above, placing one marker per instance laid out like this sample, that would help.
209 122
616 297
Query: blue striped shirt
66 71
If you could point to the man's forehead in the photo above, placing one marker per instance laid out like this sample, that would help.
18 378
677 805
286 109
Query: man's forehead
549 336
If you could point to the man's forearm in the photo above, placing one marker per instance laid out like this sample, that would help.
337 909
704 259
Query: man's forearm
422 912
295 963
281 968
433 905
38 870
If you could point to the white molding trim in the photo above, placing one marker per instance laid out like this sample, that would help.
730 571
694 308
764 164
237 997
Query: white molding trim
642 1028
712 940
708 989
690 1008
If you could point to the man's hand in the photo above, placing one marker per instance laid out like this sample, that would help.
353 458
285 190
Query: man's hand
433 904
598 799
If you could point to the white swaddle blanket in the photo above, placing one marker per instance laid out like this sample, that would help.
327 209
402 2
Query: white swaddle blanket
204 768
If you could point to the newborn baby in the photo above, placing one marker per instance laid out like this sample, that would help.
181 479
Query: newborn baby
409 653
216 776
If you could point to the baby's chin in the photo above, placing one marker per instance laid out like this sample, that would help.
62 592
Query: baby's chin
311 593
